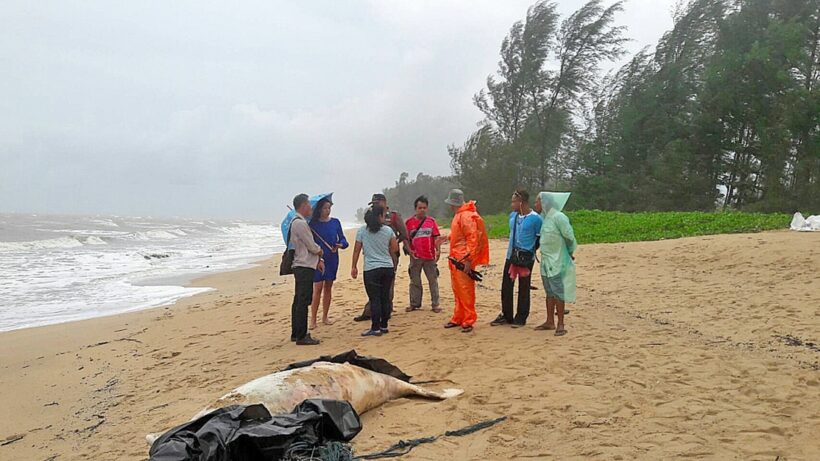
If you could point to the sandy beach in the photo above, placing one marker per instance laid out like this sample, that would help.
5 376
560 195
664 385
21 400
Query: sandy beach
700 348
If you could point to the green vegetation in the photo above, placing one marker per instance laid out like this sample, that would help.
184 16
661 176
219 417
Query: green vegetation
723 113
401 196
593 226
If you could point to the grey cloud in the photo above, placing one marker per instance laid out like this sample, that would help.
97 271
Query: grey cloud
226 110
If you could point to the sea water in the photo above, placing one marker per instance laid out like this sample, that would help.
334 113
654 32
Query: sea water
59 268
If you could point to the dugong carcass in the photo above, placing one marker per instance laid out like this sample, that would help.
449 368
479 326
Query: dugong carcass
281 392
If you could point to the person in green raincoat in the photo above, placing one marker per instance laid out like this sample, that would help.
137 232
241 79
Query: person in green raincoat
557 261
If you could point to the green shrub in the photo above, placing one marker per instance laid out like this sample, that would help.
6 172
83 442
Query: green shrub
593 226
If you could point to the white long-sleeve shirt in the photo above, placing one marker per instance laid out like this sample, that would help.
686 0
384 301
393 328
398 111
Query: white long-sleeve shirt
307 251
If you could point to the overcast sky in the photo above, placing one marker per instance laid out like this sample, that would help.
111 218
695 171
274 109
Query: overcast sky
228 109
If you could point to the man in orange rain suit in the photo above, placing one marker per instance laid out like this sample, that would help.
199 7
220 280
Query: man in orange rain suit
469 245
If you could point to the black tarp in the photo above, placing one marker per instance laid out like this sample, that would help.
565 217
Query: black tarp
250 433
370 363
238 433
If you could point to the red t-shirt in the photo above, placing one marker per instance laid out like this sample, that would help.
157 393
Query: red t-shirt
423 243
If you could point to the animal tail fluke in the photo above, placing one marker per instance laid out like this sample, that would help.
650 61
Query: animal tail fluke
450 393
432 395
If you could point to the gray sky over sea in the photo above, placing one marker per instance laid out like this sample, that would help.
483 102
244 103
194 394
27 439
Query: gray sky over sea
228 109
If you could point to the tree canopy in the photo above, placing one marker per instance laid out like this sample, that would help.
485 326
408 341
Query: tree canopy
725 113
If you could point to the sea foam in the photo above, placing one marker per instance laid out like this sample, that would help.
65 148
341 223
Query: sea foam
55 269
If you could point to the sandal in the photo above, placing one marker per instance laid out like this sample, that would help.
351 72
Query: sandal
467 329
560 332
437 310
451 325
544 326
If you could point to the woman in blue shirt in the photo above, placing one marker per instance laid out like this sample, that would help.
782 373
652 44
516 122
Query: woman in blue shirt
328 234
380 252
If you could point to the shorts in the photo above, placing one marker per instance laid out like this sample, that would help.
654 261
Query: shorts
554 286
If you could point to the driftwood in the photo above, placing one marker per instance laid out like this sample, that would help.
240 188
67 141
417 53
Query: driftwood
11 439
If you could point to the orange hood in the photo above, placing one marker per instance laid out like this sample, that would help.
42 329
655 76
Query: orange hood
468 236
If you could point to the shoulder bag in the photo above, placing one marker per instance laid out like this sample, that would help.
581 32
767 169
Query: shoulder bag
286 266
520 257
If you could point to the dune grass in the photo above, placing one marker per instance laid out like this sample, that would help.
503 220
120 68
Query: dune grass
593 226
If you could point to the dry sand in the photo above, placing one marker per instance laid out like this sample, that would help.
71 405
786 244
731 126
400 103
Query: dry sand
677 348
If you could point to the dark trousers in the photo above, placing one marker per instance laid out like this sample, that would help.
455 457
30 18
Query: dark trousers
301 300
507 288
366 310
378 284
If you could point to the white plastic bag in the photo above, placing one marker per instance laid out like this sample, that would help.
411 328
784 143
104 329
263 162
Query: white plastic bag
812 223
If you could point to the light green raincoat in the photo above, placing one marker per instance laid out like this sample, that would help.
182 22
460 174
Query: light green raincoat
557 242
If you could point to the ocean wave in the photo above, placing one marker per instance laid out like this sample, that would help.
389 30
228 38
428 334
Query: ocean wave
92 240
154 235
71 273
105 222
60 242
97 232
72 241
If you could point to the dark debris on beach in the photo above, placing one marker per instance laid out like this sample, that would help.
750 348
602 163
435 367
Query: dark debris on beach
791 340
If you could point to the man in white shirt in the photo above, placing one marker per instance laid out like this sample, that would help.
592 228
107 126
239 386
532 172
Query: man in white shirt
307 259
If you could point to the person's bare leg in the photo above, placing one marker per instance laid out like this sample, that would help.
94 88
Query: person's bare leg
550 323
559 307
326 299
314 306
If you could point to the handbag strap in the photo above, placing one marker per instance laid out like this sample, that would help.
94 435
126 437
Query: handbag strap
320 238
290 228
515 226
416 230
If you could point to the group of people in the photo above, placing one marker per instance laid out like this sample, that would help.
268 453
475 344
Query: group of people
547 228
385 235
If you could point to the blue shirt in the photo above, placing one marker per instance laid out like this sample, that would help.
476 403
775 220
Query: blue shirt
529 229
376 247
332 234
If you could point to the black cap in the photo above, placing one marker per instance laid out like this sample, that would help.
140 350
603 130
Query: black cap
377 198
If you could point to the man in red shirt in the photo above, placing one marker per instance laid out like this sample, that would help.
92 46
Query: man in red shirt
425 250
